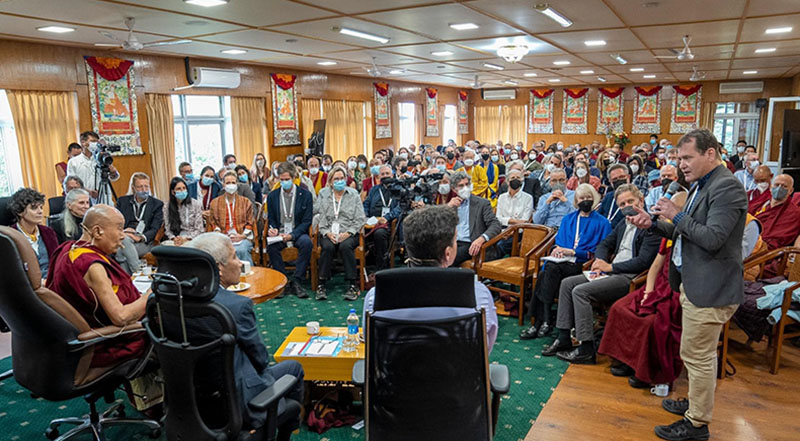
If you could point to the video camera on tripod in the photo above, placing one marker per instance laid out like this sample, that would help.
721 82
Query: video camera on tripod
423 189
103 155
103 160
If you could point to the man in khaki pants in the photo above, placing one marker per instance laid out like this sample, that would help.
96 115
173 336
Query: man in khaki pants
706 268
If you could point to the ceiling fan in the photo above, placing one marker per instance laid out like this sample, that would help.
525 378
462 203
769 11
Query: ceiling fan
132 43
696 76
476 84
373 70
684 54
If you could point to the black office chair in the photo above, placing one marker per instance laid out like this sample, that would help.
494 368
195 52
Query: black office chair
198 366
7 219
56 205
427 373
52 345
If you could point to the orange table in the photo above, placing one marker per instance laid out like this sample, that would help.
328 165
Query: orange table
264 283
338 368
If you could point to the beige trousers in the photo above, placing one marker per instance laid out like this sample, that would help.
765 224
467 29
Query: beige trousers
699 338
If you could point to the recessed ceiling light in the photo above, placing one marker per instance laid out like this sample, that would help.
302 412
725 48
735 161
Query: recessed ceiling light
648 76
619 58
765 50
587 72
396 72
636 69
554 15
601 79
441 53
234 51
750 72
561 62
530 74
363 35
493 66
291 40
511 82
206 3
782 30
554 80
595 42
327 63
464 26
55 29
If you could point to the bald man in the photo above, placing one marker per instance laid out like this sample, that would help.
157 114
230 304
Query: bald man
757 197
778 216
90 280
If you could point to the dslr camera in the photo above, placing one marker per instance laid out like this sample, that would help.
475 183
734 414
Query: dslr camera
103 155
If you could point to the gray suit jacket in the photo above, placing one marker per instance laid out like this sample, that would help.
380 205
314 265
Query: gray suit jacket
711 234
482 219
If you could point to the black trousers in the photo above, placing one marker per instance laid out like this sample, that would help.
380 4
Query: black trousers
346 249
380 239
547 288
462 253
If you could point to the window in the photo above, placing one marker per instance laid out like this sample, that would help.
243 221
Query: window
735 121
10 168
203 133
450 124
407 131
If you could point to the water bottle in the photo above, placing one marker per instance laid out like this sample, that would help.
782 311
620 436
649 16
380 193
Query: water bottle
351 341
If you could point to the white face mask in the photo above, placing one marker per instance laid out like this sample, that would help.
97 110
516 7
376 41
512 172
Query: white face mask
92 147
634 168
754 164
403 155
762 186
313 170
231 188
327 168
444 188
469 162
550 167
581 172
464 192
232 165
514 157
351 165
260 163
740 149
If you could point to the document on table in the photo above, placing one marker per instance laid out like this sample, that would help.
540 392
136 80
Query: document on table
570 259
142 283
322 347
293 349
594 275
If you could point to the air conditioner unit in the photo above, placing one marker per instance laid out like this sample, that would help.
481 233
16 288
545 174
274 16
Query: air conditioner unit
743 87
215 78
499 94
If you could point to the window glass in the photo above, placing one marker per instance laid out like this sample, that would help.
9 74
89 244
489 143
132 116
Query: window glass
201 105
203 132
10 168
406 119
450 129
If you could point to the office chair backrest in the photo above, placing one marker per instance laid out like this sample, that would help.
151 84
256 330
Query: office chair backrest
6 217
427 376
418 287
194 339
41 322
56 205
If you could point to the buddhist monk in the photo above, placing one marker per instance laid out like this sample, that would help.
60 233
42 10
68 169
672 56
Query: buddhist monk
757 197
780 218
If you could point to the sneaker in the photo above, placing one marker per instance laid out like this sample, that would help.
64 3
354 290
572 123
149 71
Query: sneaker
321 293
682 430
298 289
352 293
678 407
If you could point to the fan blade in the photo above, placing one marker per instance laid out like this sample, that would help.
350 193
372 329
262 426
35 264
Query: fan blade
665 56
686 40
109 35
107 45
166 43
674 51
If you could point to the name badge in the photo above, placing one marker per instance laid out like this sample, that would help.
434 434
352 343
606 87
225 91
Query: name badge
335 228
140 227
287 229
384 211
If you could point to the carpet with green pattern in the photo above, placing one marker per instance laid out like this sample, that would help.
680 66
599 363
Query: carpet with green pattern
533 377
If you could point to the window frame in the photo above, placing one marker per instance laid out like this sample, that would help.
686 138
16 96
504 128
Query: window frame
185 121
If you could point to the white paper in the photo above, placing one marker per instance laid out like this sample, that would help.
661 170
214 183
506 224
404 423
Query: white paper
274 239
570 259
293 349
372 221
593 275
142 283
322 347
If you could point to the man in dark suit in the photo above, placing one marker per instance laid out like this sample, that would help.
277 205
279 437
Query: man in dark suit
251 359
706 268
290 210
618 174
380 204
476 220
144 214
530 185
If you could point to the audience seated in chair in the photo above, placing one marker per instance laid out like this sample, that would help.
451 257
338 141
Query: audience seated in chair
477 174
667 175
56 204
575 244
143 213
477 223
183 215
380 204
556 204
232 214
617 175
633 251
208 190
27 206
530 184
86 276
778 216
513 207
757 197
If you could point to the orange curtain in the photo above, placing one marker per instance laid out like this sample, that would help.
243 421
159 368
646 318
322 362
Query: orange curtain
344 128
249 124
161 128
512 124
487 124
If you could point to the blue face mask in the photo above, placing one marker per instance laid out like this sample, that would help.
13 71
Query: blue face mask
673 163
428 158
181 195
243 179
207 181
375 169
495 158
441 168
189 177
725 157
142 194
339 185
287 185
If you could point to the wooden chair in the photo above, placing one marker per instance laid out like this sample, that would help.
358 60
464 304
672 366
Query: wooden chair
290 254
361 258
529 243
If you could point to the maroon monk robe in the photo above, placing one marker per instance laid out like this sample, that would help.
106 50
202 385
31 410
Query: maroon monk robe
796 199
781 224
66 279
647 337
756 200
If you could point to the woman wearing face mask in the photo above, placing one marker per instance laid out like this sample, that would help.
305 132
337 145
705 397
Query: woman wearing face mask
260 173
371 176
605 159
443 190
232 214
243 175
183 220
209 189
351 182
580 175
638 173
361 171
578 236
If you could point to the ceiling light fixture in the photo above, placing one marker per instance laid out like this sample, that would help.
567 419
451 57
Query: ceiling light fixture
750 72
55 29
554 80
765 50
493 66
782 30
530 74
363 35
595 42
464 26
619 58
512 52
554 15
648 76
601 79
234 51
510 82
587 72
561 63
207 3
636 69
327 63
397 72
441 53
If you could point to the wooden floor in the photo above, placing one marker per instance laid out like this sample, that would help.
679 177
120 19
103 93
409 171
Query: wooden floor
591 404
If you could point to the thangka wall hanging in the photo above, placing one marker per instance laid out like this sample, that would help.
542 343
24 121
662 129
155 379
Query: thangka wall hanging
463 113
574 113
431 112
383 116
284 110
647 110
609 110
540 111
685 108
113 103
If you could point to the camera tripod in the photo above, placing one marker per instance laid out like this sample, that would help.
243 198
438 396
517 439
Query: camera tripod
105 191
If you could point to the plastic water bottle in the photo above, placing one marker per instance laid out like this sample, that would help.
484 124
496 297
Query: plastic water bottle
351 341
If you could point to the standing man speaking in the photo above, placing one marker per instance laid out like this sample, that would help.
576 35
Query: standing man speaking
706 268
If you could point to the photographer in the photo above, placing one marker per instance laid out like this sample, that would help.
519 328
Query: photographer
86 167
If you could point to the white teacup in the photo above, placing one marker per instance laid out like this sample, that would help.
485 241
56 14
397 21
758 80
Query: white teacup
312 328
660 390
245 267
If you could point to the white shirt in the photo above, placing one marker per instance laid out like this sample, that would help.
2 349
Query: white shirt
519 206
85 168
626 246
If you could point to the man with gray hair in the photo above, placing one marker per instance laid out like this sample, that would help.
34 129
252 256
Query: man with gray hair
251 359
530 184
555 205
476 220
513 207
618 175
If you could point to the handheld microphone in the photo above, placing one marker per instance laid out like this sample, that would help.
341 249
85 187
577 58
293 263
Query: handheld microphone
673 188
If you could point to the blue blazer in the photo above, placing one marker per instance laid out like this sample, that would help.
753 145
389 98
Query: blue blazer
609 207
594 228
195 193
303 211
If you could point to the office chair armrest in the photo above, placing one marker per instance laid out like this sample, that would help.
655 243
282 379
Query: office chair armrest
271 395
499 379
99 335
358 373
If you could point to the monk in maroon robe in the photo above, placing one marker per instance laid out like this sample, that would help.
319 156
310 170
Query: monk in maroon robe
780 218
97 286
757 197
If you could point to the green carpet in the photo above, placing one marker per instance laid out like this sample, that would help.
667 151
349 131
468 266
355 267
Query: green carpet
533 377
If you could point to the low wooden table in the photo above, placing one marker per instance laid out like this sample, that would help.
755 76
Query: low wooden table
338 368
265 284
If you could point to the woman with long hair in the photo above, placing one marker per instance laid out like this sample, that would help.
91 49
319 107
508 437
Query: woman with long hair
605 160
361 172
581 175
259 172
183 220
67 224
209 189
638 173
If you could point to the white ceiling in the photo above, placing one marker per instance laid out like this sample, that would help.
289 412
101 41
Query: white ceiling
725 35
